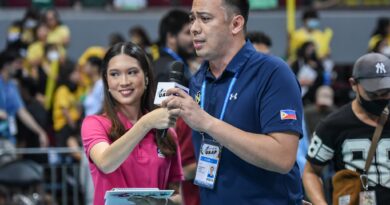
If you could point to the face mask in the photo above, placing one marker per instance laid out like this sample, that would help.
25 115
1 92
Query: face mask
30 23
313 23
386 51
53 55
374 107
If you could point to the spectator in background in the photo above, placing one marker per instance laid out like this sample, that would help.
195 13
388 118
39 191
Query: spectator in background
59 33
93 102
345 136
309 71
123 144
44 61
310 31
322 107
261 41
115 38
382 47
138 35
21 32
175 44
380 38
11 104
25 136
66 106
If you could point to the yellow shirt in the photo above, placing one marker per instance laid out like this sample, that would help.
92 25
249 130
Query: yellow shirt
63 98
36 52
375 39
97 51
58 35
320 38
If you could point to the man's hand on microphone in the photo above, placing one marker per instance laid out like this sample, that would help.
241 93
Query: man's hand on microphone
160 118
180 102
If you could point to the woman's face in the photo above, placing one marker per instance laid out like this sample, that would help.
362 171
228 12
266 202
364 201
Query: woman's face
51 19
125 80
42 32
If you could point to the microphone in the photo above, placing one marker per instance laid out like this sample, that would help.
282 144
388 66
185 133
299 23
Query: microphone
176 76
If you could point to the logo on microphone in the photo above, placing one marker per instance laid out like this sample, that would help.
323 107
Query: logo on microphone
160 154
162 93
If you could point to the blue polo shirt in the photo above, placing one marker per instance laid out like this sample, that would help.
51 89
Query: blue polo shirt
265 88
11 102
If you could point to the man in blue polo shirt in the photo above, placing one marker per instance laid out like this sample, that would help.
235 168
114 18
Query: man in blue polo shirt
11 104
246 112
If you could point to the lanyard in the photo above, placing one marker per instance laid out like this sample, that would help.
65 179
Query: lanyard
203 94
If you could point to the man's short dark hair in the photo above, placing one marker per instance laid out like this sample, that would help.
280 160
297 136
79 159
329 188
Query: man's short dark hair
173 22
240 7
310 14
259 37
8 56
96 62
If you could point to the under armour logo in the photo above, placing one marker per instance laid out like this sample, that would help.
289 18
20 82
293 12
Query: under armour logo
380 68
233 96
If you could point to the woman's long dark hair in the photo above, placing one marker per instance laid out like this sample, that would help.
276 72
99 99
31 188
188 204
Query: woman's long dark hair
166 144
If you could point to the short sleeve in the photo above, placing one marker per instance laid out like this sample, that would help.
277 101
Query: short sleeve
94 130
321 148
280 102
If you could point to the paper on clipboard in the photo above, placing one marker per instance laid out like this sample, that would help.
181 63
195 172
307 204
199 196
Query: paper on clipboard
123 196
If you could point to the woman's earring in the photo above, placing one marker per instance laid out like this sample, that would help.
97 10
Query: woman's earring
146 82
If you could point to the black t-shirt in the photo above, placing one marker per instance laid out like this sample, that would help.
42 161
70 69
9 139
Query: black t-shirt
345 140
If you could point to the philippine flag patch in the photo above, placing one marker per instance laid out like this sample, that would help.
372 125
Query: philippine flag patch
288 115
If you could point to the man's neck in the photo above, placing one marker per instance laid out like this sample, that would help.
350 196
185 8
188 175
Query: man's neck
218 65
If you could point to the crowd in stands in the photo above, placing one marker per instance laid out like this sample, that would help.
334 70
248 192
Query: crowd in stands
141 4
58 92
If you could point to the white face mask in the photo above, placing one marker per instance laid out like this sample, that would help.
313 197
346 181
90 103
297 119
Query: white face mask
53 55
30 23
386 51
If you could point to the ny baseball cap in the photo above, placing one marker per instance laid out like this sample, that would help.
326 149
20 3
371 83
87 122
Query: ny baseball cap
372 71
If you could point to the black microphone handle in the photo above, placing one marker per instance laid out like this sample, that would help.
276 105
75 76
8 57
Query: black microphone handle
176 74
164 133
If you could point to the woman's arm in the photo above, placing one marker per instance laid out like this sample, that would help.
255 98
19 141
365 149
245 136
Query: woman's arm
108 157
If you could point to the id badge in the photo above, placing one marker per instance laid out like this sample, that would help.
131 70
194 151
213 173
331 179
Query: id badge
367 198
208 162
12 125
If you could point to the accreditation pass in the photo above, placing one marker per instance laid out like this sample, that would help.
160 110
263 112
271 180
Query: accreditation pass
209 158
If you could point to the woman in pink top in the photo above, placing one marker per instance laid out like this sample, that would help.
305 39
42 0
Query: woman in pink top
124 144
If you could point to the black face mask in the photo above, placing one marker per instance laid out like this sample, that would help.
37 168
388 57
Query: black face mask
374 107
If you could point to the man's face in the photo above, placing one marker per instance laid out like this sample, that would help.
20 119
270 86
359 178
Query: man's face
376 95
210 28
185 47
